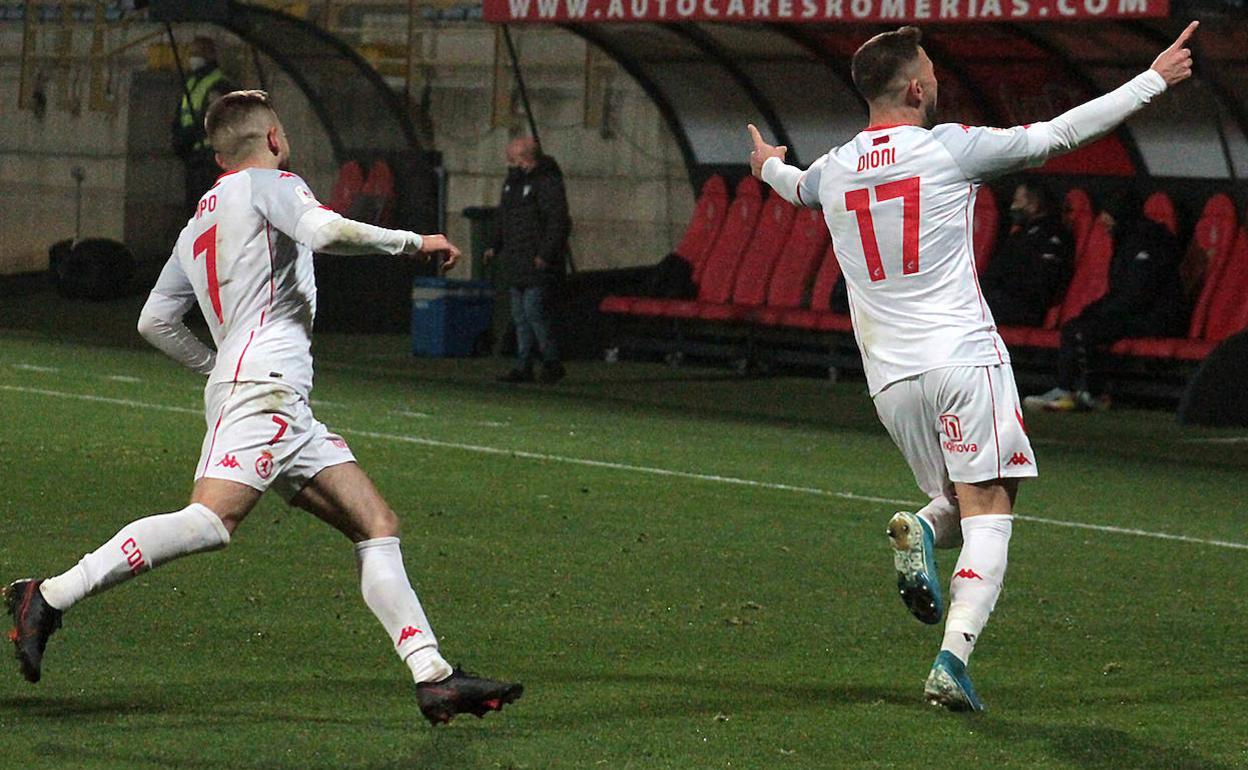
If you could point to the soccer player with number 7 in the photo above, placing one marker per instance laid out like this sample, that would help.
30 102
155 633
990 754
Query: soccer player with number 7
245 257
898 200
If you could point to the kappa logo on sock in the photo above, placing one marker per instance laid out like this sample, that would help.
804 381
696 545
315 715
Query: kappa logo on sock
229 461
1019 459
967 574
407 633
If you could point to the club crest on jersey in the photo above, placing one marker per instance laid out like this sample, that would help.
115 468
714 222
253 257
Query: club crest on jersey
305 194
264 465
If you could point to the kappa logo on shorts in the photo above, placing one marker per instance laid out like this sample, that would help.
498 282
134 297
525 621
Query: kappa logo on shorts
967 574
407 633
264 465
1019 459
229 461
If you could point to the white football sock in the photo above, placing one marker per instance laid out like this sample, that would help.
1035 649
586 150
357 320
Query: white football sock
138 547
389 594
976 581
943 516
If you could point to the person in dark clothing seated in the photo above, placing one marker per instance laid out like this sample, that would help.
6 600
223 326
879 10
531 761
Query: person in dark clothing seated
531 244
1032 267
1145 299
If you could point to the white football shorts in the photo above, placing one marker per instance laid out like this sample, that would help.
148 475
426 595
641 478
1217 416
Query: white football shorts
264 435
959 423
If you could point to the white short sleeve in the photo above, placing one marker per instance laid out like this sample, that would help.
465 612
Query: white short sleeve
983 153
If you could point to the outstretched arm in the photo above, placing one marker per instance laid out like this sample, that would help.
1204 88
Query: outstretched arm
987 152
339 235
1094 119
160 321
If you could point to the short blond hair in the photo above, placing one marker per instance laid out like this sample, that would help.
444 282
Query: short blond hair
237 124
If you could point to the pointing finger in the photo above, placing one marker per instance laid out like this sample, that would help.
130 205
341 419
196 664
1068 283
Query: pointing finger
757 137
1185 34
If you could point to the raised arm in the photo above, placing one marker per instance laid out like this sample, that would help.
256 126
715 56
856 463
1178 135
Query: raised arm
986 152
796 186
160 321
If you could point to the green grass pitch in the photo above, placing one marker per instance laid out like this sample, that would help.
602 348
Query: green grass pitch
598 542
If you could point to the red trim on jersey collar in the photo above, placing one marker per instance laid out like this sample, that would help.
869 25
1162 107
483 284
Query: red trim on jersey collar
223 176
890 125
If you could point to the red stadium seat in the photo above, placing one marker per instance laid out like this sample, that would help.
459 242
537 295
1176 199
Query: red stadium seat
795 267
985 226
346 187
1078 217
1228 306
1091 278
819 315
1207 256
1159 208
704 225
750 289
719 269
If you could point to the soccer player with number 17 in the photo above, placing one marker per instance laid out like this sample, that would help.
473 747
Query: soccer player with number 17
898 200
245 257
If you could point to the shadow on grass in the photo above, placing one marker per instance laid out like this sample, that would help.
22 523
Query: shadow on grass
1101 748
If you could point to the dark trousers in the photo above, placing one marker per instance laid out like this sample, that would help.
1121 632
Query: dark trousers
530 313
1084 341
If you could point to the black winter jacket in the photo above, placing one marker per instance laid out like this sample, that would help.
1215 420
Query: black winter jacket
532 223
1144 284
1029 272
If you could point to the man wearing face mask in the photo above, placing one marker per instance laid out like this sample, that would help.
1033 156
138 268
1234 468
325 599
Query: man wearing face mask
1032 267
531 243
205 83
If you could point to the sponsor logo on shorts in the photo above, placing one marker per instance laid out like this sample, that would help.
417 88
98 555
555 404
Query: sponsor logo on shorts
952 426
264 465
407 633
967 574
1019 459
957 447
337 441
229 461
134 556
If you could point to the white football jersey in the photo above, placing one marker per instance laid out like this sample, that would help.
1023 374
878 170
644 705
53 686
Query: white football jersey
899 202
239 258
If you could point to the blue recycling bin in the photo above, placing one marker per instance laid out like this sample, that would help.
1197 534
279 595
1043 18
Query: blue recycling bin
450 318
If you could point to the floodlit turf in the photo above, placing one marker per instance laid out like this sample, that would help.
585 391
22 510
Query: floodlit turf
657 621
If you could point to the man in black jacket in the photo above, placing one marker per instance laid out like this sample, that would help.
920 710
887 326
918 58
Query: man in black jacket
1032 267
531 244
1145 299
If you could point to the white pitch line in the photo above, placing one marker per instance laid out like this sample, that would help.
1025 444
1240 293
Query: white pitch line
1217 440
35 368
418 440
123 378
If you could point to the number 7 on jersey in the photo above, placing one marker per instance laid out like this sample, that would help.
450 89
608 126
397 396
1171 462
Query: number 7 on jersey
206 244
859 202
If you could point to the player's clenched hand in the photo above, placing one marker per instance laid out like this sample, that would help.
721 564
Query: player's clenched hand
1175 63
434 244
762 151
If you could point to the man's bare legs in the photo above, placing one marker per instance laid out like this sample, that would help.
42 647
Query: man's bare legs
344 497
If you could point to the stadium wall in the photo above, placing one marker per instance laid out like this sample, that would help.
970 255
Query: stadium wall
629 191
